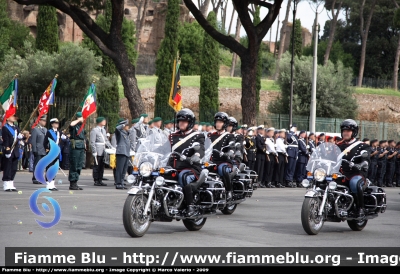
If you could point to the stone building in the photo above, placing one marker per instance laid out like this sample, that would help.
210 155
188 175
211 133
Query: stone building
150 38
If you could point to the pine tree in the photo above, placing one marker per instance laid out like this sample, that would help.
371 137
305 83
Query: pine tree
257 20
165 60
5 24
298 40
47 29
209 74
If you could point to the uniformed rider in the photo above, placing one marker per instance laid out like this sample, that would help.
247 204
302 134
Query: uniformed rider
182 139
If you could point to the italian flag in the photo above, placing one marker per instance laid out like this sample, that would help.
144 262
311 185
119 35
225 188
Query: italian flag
9 100
88 105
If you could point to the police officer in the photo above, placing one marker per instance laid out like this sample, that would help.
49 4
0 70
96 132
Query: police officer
260 154
159 137
232 128
77 151
382 157
321 139
142 126
374 161
397 165
250 148
355 173
220 139
301 172
11 135
125 149
292 151
54 134
271 157
183 138
282 158
390 163
168 128
37 138
311 142
98 143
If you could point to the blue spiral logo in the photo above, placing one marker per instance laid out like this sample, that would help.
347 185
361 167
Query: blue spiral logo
41 175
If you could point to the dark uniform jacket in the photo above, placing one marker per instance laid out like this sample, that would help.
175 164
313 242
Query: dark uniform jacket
312 145
345 169
239 138
293 145
77 141
393 159
215 157
384 158
260 145
303 152
174 160
49 134
38 135
250 147
8 140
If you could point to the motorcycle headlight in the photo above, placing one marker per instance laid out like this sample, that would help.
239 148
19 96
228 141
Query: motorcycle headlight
319 174
332 185
305 183
131 179
145 169
160 181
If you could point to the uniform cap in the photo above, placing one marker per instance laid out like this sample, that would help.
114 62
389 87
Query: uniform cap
302 131
270 129
157 119
282 130
120 120
134 121
79 114
143 115
311 133
260 127
54 120
98 120
44 117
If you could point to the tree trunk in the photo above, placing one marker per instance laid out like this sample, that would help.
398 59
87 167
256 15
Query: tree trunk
364 36
249 75
282 39
230 23
141 28
396 67
204 8
332 30
237 37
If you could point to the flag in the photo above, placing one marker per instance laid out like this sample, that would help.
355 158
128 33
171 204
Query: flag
9 99
175 97
45 101
89 105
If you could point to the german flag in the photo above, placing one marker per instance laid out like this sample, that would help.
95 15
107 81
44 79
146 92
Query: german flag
175 97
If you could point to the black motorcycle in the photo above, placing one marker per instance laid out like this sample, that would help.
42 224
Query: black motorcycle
156 195
328 197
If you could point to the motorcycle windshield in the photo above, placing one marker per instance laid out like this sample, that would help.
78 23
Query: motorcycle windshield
327 156
151 149
208 150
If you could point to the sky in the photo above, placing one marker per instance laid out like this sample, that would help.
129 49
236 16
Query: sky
305 12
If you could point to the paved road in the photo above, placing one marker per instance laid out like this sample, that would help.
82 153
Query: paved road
93 217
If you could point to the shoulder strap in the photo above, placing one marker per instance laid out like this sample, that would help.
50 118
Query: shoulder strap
348 149
218 139
184 140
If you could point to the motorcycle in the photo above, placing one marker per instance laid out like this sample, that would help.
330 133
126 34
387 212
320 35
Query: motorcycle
328 197
242 182
156 194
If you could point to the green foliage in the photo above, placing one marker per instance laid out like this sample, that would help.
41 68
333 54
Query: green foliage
396 18
47 29
18 36
108 104
334 96
129 39
257 20
5 30
298 40
225 57
209 68
337 53
190 47
76 71
165 60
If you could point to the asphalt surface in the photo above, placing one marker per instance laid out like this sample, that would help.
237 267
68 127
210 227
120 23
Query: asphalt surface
92 217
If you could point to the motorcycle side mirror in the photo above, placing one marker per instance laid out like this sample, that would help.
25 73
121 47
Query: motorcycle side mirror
131 179
364 153
196 146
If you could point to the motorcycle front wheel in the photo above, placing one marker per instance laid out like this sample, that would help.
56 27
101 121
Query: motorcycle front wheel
357 225
312 224
194 225
229 209
135 223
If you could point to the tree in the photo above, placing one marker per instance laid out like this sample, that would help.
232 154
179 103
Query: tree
47 29
298 40
209 78
165 60
5 24
282 38
336 4
396 61
19 34
257 20
190 45
111 44
334 94
364 29
248 56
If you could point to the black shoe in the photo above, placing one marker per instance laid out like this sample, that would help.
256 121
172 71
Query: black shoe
279 185
300 185
294 185
397 185
229 195
361 213
36 182
104 179
74 186
99 183
269 185
261 185
120 186
288 184
389 185
190 211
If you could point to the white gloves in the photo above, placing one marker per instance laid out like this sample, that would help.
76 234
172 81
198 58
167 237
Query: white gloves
286 146
63 137
20 136
94 154
8 155
131 153
141 120
307 146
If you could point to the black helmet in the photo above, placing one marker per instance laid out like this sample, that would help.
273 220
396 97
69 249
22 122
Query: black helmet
233 122
349 124
186 115
221 116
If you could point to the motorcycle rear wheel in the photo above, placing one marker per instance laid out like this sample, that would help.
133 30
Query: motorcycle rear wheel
135 224
194 225
311 223
357 225
229 209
